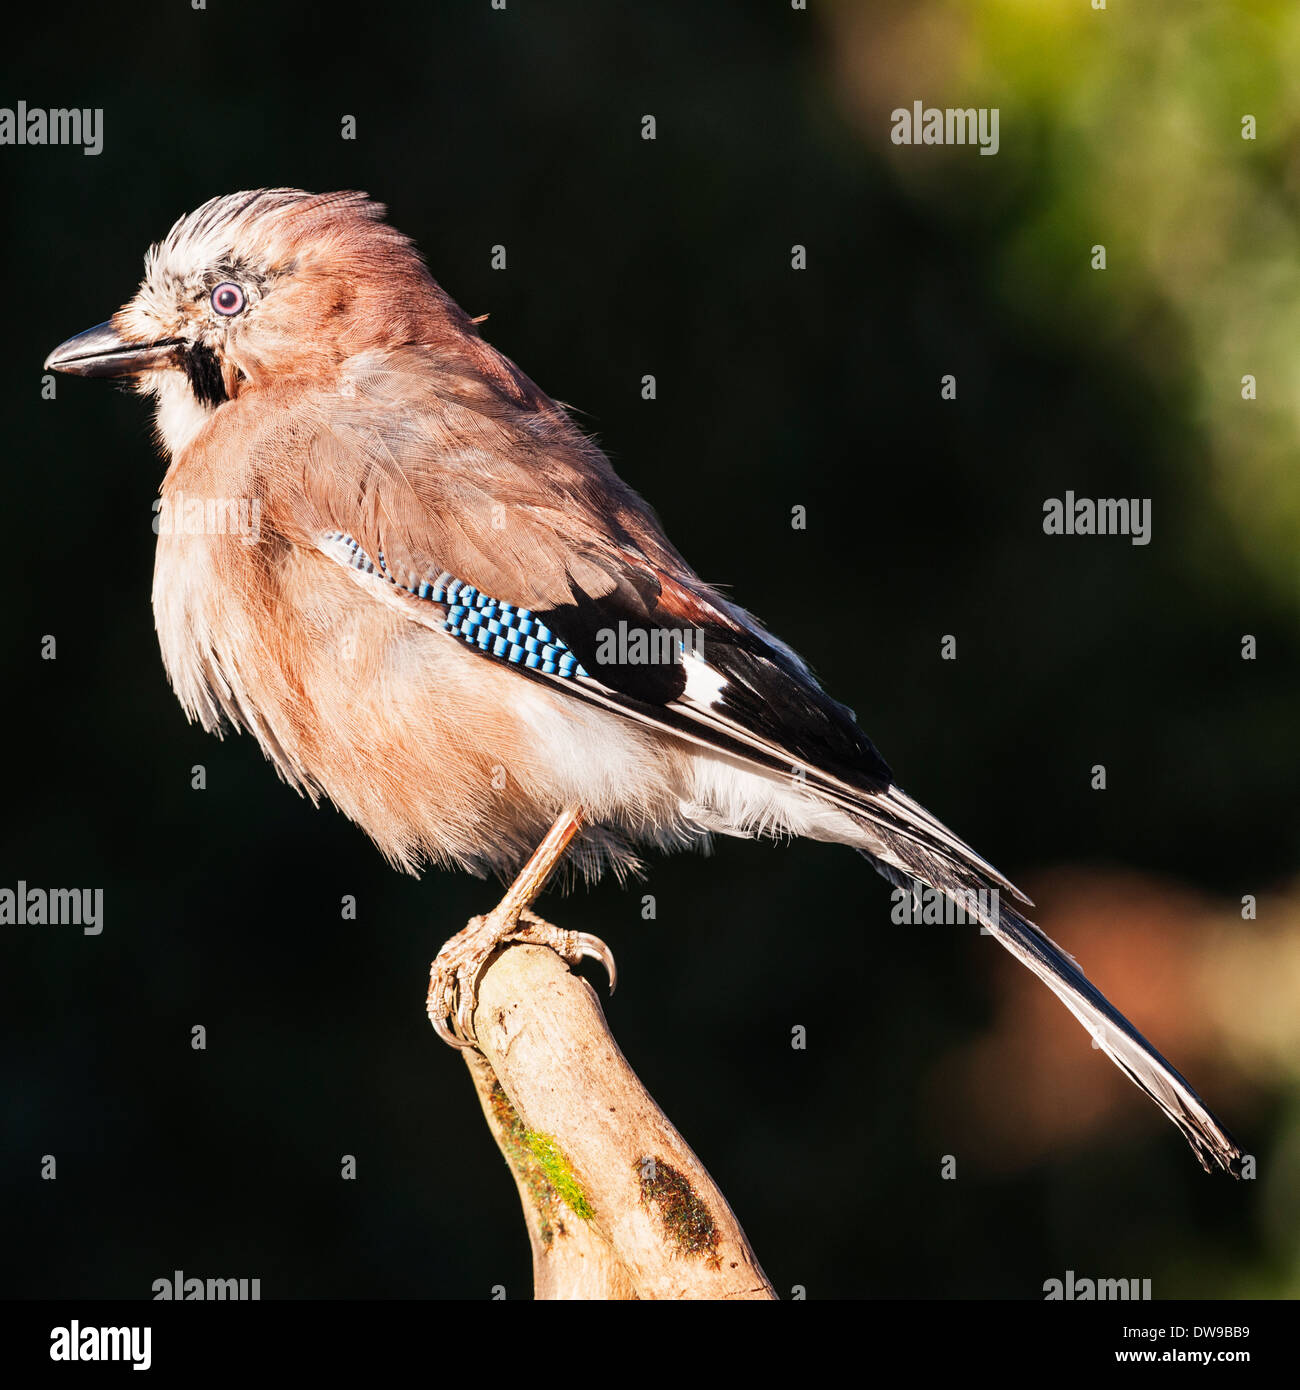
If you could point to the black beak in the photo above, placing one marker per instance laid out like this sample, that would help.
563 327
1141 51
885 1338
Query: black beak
102 351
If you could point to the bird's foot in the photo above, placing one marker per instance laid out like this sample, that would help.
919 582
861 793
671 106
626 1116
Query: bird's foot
454 975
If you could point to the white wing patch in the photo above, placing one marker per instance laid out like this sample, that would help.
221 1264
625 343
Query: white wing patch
704 685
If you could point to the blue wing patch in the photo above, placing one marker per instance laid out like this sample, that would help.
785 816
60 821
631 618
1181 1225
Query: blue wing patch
491 625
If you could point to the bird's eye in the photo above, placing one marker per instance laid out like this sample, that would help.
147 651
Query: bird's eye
228 298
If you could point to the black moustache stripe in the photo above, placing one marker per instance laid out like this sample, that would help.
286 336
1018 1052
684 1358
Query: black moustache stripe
203 368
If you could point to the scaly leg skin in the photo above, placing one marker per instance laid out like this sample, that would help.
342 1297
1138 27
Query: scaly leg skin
454 975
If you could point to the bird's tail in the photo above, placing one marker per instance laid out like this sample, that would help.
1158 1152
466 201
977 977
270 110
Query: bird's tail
1060 972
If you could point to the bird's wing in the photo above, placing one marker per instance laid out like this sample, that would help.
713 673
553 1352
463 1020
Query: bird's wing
492 518
488 517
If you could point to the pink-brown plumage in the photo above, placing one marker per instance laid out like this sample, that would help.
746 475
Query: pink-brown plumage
390 418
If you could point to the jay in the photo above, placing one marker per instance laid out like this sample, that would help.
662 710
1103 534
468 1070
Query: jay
459 625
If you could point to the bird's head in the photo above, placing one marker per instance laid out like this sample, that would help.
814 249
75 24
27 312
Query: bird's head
256 289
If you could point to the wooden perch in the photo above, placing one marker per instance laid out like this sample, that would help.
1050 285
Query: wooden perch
616 1203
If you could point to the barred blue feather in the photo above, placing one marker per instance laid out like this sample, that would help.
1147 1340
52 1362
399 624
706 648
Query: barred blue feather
492 625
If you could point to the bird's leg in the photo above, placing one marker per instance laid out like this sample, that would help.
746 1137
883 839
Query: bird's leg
453 977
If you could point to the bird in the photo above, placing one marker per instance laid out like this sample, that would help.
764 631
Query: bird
449 616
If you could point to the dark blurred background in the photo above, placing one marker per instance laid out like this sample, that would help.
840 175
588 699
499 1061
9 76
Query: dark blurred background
776 388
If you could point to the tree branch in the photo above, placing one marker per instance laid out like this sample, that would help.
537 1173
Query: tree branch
617 1205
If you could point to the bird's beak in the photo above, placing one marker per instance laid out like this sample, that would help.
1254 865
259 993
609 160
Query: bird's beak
102 351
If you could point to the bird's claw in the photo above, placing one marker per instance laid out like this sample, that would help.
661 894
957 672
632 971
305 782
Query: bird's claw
454 975
570 946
